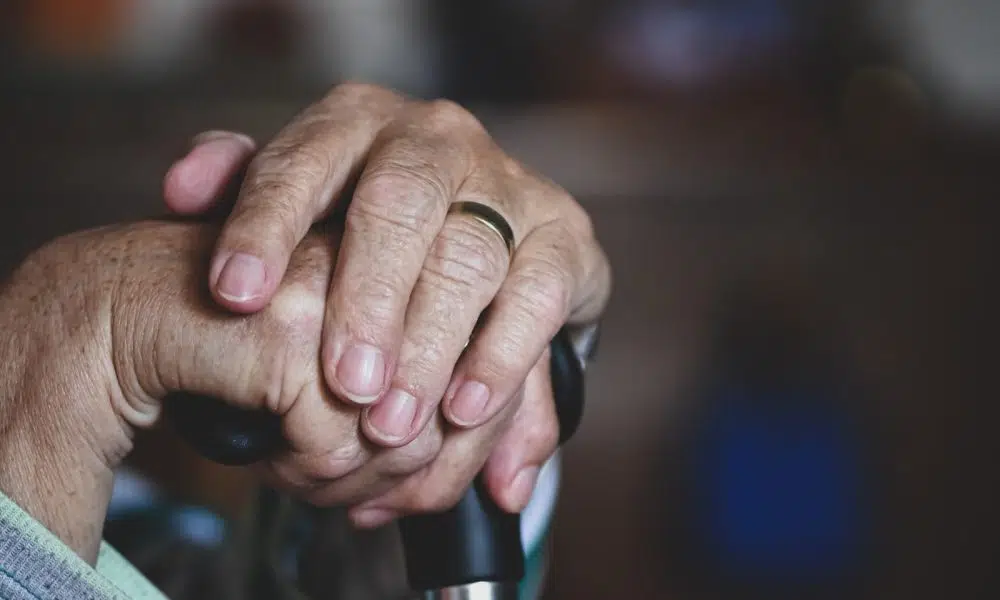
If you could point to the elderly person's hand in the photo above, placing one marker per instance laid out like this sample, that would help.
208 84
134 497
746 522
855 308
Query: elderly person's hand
99 326
412 277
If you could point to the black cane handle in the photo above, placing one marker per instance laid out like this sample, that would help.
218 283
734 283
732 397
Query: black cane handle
474 541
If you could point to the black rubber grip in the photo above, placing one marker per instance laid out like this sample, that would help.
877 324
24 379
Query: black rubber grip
222 432
477 540
474 541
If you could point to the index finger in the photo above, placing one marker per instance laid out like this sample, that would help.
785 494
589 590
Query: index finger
290 184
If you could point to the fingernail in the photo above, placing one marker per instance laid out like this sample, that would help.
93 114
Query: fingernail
361 371
242 278
393 415
469 402
523 486
371 518
206 137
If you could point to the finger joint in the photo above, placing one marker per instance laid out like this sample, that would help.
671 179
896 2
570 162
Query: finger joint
402 198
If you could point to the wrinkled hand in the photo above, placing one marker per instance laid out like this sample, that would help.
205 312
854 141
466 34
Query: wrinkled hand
411 280
102 325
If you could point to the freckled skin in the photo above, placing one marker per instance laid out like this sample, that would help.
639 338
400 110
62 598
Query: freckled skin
100 325
404 332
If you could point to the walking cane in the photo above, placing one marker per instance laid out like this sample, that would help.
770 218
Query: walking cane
470 552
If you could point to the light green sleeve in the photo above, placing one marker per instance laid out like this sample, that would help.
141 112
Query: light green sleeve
36 565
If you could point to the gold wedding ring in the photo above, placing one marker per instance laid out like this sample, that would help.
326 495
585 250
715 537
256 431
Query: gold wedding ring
488 217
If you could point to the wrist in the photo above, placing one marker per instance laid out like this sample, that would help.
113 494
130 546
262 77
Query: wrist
55 476
60 441
82 322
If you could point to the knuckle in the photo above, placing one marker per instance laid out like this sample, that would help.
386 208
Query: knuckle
568 247
577 219
263 184
404 167
296 314
503 362
423 455
431 361
555 204
295 158
340 461
403 198
323 464
513 168
354 93
291 476
281 364
542 434
463 258
377 322
373 313
446 116
379 299
540 290
321 470
416 455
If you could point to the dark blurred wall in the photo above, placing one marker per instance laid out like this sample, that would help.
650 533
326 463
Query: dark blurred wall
903 251
870 202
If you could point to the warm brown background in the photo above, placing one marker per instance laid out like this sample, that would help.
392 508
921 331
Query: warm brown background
878 219
902 252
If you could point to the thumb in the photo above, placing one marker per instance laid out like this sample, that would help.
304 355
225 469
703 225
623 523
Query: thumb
178 339
198 182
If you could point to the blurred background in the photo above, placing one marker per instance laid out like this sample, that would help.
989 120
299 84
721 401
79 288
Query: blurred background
793 397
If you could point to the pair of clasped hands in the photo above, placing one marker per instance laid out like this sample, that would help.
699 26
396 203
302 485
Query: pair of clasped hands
357 334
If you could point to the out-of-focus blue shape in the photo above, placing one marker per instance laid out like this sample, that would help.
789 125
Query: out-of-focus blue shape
778 490
782 487
198 526
692 43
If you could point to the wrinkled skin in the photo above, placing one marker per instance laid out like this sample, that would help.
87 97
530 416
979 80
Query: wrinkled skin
101 325
358 338
411 280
